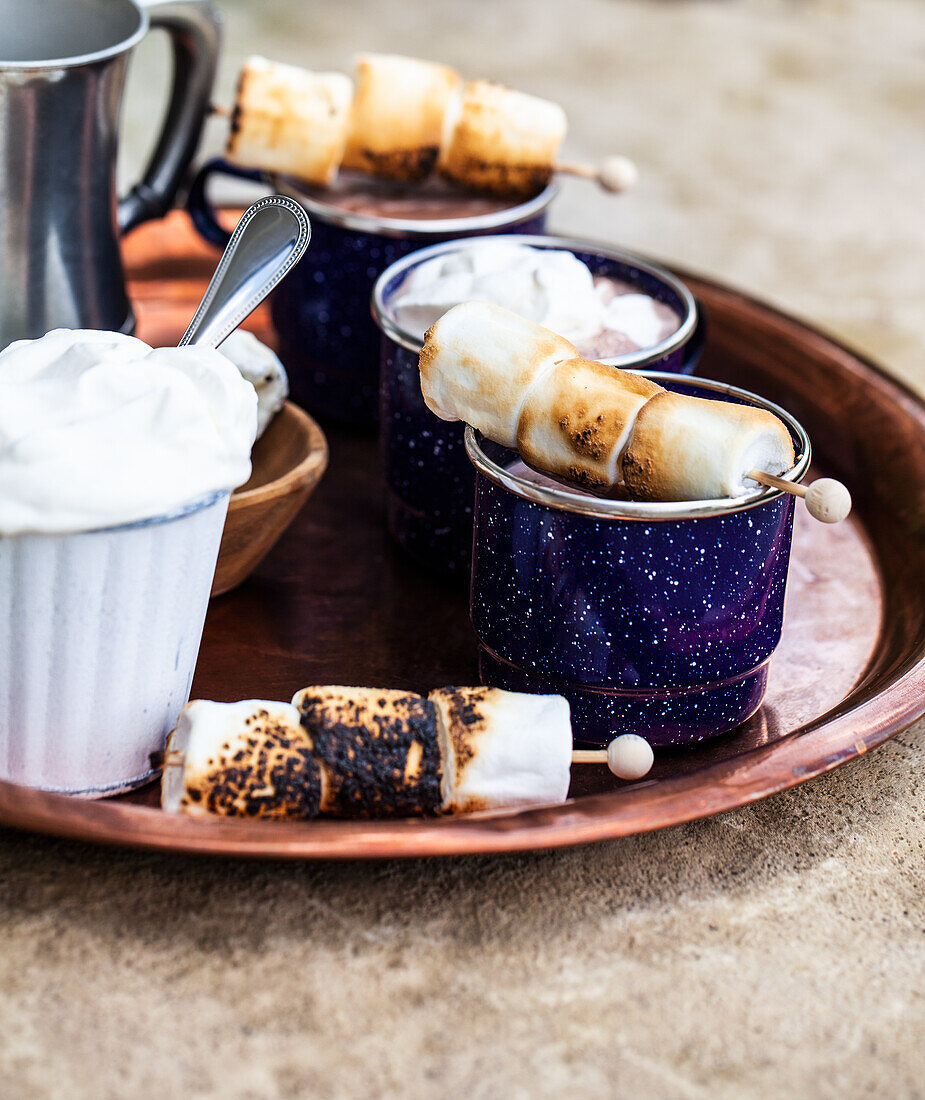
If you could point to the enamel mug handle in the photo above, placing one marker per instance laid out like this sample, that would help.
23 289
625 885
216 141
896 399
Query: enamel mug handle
199 206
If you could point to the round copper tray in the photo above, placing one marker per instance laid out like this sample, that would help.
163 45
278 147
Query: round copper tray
335 602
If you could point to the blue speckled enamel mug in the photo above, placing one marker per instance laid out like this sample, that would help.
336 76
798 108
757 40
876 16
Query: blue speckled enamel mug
650 618
430 480
327 339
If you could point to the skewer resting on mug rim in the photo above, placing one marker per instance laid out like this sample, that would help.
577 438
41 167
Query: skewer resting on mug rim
615 173
826 499
600 428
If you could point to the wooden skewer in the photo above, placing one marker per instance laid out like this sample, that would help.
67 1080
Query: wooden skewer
627 765
589 756
615 173
166 758
220 110
827 500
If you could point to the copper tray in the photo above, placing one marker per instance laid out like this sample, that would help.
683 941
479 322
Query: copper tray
335 602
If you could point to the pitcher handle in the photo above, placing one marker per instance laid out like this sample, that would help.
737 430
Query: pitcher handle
201 210
194 30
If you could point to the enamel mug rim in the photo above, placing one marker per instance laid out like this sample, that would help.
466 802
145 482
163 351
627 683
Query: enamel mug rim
412 228
602 508
621 256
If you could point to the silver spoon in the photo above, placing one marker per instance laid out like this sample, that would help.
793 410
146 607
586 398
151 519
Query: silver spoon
267 243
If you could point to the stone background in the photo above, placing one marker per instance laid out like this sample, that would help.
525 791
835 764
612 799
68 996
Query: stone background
777 950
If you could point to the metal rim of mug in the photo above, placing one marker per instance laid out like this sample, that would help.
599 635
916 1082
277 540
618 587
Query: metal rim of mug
633 359
184 510
86 58
601 508
413 227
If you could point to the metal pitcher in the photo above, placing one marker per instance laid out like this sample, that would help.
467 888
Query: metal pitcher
62 72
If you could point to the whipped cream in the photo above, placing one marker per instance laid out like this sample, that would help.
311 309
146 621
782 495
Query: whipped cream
261 366
550 287
98 429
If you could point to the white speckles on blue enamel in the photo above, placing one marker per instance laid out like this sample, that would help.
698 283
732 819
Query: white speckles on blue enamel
660 627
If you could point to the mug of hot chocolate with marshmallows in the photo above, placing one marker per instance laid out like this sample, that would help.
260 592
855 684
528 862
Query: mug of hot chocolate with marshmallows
360 226
609 303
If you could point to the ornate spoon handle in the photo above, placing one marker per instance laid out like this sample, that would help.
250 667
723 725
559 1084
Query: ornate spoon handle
268 242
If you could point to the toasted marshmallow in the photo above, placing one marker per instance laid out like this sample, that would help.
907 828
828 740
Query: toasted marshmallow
502 141
397 120
517 383
689 448
261 367
377 749
577 420
290 120
502 749
479 362
247 759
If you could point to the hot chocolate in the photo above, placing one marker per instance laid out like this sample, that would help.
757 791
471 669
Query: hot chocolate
428 473
433 199
602 317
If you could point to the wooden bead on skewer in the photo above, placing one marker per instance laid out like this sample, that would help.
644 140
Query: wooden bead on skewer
628 756
826 500
615 173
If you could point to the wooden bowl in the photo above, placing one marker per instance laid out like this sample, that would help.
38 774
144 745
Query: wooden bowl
287 463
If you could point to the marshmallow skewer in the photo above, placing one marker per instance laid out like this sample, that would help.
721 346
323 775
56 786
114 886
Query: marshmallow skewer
399 119
615 174
596 426
174 758
366 752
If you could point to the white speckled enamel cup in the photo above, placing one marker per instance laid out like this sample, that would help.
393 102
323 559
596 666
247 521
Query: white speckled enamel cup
99 635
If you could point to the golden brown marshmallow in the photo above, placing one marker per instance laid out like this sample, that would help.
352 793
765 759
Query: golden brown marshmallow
689 448
398 115
502 141
290 120
577 420
479 362
502 749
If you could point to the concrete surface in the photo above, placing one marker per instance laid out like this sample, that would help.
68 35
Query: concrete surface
777 950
